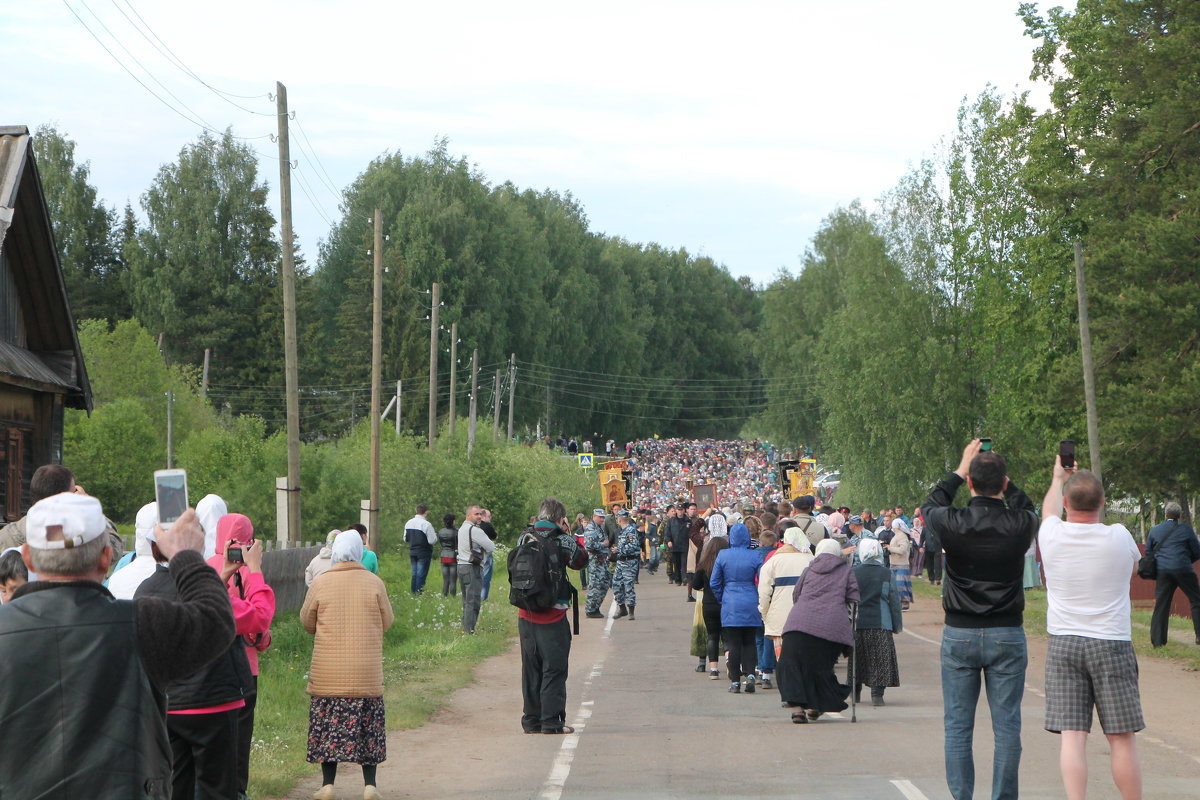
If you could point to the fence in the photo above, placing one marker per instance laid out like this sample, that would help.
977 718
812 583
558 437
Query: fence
1141 591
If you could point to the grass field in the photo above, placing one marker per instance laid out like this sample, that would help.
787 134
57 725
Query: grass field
426 657
1186 655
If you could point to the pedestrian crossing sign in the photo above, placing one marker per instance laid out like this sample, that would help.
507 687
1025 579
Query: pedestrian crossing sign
585 460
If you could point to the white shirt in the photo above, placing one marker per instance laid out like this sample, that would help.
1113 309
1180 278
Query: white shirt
471 537
1088 567
420 523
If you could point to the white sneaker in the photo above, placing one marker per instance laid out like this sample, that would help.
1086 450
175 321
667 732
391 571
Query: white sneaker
371 793
325 793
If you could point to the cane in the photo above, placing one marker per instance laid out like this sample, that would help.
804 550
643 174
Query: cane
850 667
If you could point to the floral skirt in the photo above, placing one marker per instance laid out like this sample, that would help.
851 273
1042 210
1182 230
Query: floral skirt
347 729
875 661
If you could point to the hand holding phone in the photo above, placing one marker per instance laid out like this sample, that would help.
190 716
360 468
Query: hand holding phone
170 492
1066 454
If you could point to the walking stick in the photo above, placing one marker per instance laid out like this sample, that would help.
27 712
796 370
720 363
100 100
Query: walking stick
850 667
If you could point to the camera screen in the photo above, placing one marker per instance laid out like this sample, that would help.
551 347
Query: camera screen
171 494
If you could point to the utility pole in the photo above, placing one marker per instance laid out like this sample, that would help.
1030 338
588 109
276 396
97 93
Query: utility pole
376 377
496 407
170 429
453 376
399 407
1089 369
433 359
291 375
512 388
472 412
204 374
548 433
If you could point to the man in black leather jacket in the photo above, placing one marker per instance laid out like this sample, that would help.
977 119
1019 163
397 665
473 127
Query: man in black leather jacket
83 675
982 595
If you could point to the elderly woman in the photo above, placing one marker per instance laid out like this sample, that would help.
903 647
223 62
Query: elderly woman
347 608
897 549
879 620
816 632
776 580
734 574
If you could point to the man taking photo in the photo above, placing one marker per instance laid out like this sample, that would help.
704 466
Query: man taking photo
984 601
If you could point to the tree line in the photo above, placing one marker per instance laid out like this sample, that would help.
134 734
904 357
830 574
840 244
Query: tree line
945 308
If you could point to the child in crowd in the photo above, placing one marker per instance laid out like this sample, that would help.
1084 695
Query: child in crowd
13 573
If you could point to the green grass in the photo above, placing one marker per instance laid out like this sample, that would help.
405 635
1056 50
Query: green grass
425 657
1185 655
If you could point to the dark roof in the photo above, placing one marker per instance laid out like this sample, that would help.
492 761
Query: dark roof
52 359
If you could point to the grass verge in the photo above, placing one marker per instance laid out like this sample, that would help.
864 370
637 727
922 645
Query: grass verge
1185 655
425 658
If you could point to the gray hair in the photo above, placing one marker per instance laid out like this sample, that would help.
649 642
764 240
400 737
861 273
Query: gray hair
69 561
552 511
1173 510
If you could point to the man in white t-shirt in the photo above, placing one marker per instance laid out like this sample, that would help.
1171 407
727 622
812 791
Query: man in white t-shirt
1090 659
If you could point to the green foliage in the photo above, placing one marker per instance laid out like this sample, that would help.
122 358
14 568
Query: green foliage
85 230
108 454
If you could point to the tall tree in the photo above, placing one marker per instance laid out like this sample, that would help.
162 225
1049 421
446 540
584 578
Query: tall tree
84 230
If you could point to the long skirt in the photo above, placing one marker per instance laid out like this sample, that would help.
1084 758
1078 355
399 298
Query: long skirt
875 661
805 673
1032 577
903 583
348 729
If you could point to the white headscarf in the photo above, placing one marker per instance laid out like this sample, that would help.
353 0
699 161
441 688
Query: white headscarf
796 538
347 546
125 581
829 546
870 551
210 509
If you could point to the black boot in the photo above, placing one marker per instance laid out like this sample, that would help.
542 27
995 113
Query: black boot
631 613
594 615
621 611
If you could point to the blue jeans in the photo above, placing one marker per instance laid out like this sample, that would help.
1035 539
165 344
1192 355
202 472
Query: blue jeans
489 565
1001 656
766 652
420 570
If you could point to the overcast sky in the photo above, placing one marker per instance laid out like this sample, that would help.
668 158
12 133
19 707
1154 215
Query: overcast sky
729 129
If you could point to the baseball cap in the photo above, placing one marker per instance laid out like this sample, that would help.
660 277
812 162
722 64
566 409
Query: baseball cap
805 501
80 517
624 512
599 512
856 520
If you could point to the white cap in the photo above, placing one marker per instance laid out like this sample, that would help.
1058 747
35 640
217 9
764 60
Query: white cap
80 517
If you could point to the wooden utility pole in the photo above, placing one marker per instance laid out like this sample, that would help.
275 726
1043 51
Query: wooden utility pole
548 433
472 412
399 405
453 376
170 429
512 388
1089 369
291 374
204 374
433 359
376 377
496 407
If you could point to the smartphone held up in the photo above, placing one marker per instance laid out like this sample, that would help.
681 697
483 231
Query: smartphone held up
1066 454
170 492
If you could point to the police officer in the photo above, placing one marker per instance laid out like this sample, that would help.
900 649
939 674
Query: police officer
629 558
598 576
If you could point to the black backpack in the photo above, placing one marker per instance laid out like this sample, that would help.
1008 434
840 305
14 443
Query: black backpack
535 573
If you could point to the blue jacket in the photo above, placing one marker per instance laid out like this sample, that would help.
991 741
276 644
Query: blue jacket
1174 546
733 581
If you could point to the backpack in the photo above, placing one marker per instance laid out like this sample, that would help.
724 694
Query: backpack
535 573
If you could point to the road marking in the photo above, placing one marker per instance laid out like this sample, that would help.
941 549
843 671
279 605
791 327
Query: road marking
909 791
922 638
612 611
552 789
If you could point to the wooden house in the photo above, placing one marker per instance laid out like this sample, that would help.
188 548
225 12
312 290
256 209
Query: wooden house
41 366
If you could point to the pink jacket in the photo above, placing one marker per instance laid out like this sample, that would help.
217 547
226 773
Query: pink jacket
253 601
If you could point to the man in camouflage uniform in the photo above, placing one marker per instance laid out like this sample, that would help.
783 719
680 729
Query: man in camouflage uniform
629 558
598 576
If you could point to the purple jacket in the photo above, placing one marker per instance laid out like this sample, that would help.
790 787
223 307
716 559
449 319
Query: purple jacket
820 598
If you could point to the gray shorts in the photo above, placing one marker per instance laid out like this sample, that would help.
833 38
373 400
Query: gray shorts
1082 672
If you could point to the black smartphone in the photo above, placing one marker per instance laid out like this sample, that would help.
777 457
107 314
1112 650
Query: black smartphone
234 554
985 444
1066 453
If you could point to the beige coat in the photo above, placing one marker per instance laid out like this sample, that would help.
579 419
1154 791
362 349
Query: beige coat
348 609
775 596
898 549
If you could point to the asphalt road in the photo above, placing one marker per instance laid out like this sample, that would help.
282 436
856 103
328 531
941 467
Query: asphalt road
648 726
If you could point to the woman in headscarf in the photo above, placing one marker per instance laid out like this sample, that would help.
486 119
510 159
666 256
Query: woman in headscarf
128 577
706 632
879 619
322 561
210 509
778 577
347 608
897 550
732 581
816 632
